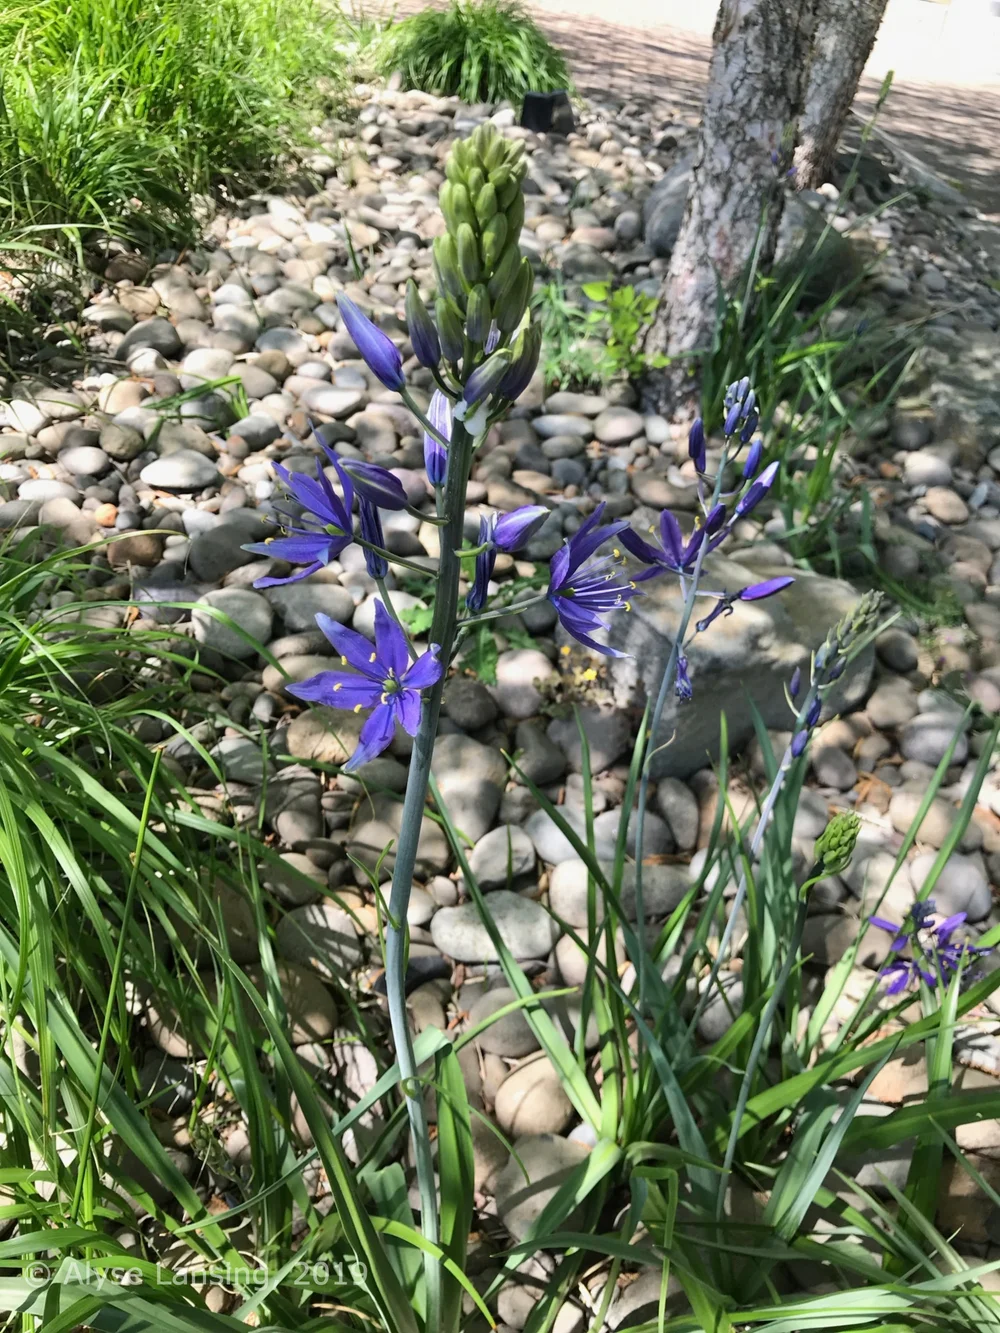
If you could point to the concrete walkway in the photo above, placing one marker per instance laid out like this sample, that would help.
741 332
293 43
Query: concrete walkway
944 105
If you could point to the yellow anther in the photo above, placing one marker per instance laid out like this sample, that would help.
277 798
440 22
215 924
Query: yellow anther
617 554
565 650
357 708
373 657
339 686
628 606
343 661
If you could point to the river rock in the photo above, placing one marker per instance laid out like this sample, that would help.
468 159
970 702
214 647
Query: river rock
321 936
531 1100
546 1160
249 611
470 778
501 856
524 926
511 1035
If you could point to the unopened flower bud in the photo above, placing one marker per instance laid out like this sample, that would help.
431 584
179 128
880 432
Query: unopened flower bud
486 204
526 351
423 334
467 248
835 845
696 444
795 684
509 309
494 238
753 459
485 379
450 331
478 316
378 351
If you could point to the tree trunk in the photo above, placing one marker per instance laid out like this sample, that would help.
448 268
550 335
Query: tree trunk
845 34
756 87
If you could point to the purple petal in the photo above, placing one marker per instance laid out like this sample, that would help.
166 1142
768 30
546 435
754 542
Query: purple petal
378 351
269 581
408 710
376 736
435 454
390 642
513 530
584 543
371 532
425 671
768 588
640 548
559 567
353 647
376 484
338 690
672 537
948 927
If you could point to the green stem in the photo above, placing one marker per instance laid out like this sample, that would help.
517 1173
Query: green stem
651 747
394 559
442 633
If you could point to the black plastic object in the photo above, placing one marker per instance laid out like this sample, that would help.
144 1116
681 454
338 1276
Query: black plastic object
548 112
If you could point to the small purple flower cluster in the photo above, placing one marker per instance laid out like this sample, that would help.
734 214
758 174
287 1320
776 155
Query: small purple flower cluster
583 588
935 956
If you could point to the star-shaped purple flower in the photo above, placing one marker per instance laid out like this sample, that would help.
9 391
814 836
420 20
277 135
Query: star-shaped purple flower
386 682
582 593
316 537
674 554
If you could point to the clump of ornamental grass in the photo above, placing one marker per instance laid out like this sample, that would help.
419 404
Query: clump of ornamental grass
477 50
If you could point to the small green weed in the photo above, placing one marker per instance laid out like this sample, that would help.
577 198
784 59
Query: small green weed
491 51
591 346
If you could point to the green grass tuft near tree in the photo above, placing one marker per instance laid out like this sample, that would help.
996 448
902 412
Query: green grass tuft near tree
492 51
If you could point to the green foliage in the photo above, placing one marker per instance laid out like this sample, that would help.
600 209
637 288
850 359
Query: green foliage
117 112
593 346
480 655
490 51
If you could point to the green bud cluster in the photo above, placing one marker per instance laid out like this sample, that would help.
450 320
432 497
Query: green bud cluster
483 283
835 845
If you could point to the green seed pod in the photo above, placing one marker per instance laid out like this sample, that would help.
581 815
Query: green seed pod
494 238
509 310
450 331
515 215
462 205
486 204
506 271
474 182
468 253
446 269
478 315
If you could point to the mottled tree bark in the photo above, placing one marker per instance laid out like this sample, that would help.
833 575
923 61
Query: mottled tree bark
756 87
845 34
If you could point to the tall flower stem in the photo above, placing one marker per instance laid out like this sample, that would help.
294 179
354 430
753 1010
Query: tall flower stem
442 632
666 683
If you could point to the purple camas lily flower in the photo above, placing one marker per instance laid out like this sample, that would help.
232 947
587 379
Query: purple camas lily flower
379 353
385 681
501 532
936 958
376 484
317 536
753 458
673 554
583 592
435 454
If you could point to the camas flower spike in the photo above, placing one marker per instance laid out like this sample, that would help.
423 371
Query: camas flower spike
385 681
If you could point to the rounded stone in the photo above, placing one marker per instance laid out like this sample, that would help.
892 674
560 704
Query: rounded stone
520 673
531 1100
501 856
469 703
946 505
678 806
937 823
247 610
324 735
84 460
321 936
924 468
833 768
184 470
312 1014
511 1035
298 604
892 704
524 926
120 442
927 737
546 1160
962 885
618 425
898 650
